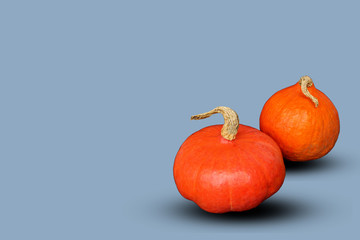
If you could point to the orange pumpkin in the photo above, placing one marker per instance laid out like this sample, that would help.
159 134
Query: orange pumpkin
302 120
228 167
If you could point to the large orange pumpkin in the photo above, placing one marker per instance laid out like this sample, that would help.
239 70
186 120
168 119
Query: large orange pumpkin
228 167
302 120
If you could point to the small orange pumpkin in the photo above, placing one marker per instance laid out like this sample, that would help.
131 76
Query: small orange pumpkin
302 120
230 167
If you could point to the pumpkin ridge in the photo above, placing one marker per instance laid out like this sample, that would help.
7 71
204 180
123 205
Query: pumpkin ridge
228 168
267 182
288 100
180 164
326 130
239 169
308 147
197 179
211 168
323 131
332 120
331 107
293 100
254 166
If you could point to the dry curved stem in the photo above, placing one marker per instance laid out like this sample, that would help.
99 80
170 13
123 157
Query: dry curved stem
231 121
306 82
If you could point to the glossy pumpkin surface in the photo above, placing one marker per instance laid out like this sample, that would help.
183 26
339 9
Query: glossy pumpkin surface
303 131
220 175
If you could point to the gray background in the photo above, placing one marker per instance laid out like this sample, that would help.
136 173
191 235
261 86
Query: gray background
96 99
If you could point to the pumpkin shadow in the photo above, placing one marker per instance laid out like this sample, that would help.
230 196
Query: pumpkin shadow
271 209
327 162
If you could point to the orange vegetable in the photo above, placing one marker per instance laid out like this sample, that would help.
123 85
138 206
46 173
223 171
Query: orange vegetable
302 120
230 167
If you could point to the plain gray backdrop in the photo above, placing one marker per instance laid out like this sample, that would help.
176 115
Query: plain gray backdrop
96 99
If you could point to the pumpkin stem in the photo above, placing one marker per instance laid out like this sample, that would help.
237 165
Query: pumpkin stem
306 82
231 121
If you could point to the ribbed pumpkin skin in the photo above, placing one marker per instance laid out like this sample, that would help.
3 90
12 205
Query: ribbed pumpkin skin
304 132
222 176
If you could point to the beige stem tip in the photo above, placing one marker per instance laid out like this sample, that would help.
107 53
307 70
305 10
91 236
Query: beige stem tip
231 121
306 82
